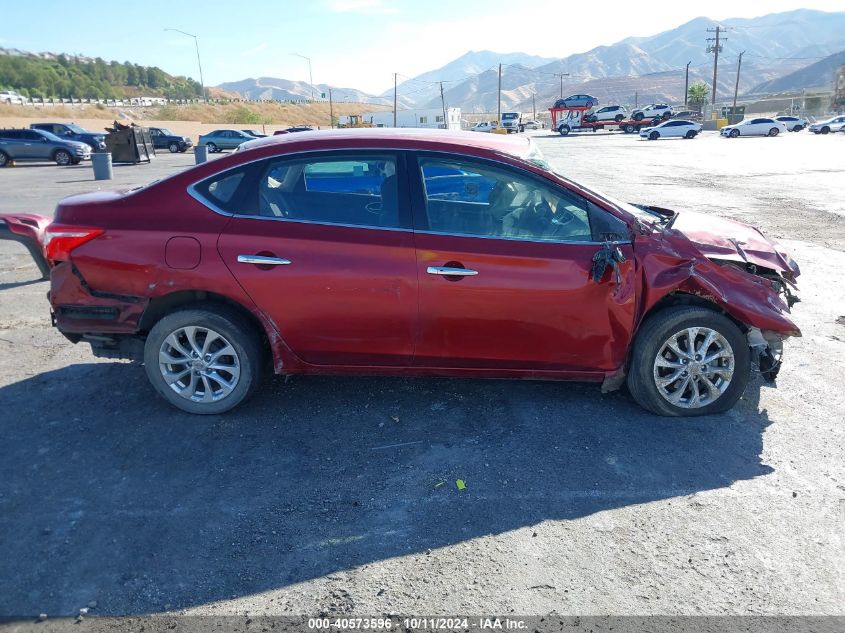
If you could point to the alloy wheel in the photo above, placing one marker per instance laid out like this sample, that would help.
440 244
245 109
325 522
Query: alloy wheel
199 364
694 367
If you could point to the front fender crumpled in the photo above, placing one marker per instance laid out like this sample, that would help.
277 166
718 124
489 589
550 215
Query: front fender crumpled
673 264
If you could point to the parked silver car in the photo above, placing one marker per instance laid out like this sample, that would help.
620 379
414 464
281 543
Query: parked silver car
20 145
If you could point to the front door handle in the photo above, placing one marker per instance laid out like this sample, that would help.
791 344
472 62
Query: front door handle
449 271
263 260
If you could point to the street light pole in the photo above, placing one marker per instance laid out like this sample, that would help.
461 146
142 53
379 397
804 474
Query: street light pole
199 63
310 76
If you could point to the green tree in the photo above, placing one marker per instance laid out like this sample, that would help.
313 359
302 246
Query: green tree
697 94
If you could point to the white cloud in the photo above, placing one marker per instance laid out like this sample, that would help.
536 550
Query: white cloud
380 7
254 49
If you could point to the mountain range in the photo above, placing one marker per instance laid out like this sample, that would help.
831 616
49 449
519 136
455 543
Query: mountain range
636 69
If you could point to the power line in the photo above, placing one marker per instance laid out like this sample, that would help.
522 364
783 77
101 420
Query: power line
715 48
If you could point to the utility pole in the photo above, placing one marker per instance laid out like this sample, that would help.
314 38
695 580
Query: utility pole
310 76
199 63
499 100
331 110
394 99
533 105
686 85
715 48
736 88
443 103
636 99
561 75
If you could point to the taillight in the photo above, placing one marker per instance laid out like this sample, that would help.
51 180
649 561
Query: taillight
61 239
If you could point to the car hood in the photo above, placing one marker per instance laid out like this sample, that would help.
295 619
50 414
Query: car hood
721 238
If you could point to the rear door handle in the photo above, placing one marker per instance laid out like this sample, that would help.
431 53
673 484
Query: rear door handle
449 271
263 260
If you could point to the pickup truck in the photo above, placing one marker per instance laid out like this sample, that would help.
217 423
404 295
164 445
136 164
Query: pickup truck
73 132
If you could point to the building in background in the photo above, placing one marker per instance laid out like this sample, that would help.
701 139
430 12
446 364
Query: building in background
427 118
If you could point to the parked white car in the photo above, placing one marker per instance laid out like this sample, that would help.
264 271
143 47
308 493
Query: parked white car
676 128
653 111
11 97
531 124
610 113
484 126
830 125
754 127
793 123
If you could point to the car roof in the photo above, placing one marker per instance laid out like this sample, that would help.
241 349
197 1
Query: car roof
398 138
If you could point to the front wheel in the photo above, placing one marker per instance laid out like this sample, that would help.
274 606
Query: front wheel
653 136
563 130
174 148
4 159
689 361
203 360
639 116
734 133
825 130
629 129
62 157
666 116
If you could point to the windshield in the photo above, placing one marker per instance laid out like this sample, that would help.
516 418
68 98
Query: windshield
73 127
507 116
166 132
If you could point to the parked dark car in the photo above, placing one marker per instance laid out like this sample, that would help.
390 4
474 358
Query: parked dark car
38 145
575 101
295 128
413 252
72 132
254 133
165 139
689 115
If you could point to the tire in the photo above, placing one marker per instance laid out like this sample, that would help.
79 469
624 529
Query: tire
774 132
212 148
233 329
589 104
734 133
690 134
629 129
618 117
4 159
639 116
563 130
651 343
173 147
653 136
666 116
798 128
62 157
825 130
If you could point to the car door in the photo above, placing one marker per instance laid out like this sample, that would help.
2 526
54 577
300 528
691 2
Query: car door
34 146
12 144
323 244
504 260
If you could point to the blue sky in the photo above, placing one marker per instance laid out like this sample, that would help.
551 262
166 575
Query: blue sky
352 43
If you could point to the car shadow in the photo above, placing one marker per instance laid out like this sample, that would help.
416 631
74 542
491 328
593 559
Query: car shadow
109 494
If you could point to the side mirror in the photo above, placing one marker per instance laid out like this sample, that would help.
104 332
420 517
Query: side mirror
43 139
68 133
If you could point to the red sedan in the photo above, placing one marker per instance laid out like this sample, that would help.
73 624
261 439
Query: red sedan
411 252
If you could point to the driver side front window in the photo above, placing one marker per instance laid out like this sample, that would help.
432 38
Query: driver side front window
475 199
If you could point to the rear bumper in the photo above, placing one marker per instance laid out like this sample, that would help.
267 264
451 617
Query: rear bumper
28 230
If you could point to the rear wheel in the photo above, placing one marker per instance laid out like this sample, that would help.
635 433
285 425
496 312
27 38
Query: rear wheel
173 147
774 131
618 117
653 136
203 360
629 129
666 115
689 361
211 148
798 128
690 134
639 116
62 157
734 133
4 159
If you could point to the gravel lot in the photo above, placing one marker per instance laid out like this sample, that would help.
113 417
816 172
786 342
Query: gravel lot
338 495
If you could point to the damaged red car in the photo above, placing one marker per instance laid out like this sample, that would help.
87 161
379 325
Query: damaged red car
411 252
